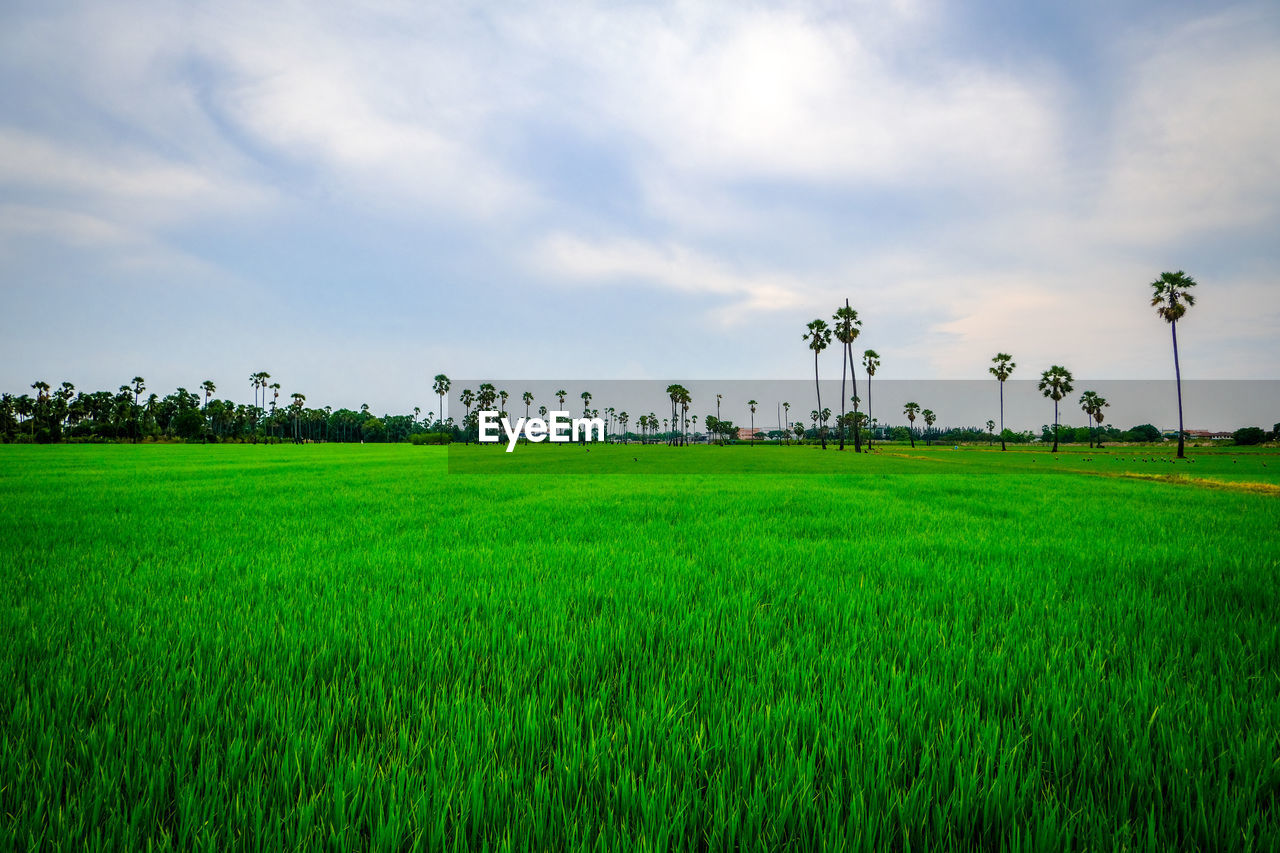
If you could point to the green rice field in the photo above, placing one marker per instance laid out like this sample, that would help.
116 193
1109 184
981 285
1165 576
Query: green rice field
388 647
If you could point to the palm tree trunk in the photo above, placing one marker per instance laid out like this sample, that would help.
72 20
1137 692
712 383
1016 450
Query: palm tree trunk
870 421
822 434
1177 372
1002 447
844 369
853 376
1055 427
1090 416
911 433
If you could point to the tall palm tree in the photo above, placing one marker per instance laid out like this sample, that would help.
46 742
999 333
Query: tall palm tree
139 385
209 388
1172 297
275 396
1055 383
1002 370
870 362
685 401
786 407
527 396
1087 405
298 400
819 338
911 410
753 404
991 432
623 417
1098 416
467 398
441 385
847 328
718 396
929 419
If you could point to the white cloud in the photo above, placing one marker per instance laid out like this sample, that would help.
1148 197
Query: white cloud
670 266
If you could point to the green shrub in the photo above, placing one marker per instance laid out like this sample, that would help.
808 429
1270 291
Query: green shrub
1249 435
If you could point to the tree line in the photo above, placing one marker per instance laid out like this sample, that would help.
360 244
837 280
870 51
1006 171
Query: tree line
63 413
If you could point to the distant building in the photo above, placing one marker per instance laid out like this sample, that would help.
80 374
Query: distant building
744 434
1211 434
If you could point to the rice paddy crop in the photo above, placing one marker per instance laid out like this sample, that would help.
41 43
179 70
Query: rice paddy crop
351 647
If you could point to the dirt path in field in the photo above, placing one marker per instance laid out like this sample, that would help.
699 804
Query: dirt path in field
1181 480
1250 486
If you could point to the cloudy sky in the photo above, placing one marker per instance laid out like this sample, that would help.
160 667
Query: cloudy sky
355 200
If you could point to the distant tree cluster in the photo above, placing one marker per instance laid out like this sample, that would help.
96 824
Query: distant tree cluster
63 413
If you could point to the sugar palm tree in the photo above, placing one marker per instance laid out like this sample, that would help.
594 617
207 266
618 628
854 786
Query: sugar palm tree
685 401
467 398
929 419
1002 370
298 400
911 410
991 432
209 388
753 404
847 328
1172 297
1086 405
1098 416
786 407
819 338
1055 383
623 417
870 362
441 385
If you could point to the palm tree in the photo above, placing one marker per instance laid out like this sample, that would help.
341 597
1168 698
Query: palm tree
623 417
718 396
1002 370
441 385
870 361
929 418
786 407
753 404
911 410
819 338
298 400
847 329
139 385
466 398
685 401
208 388
1055 383
1087 405
275 395
991 432
1172 298
1098 405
